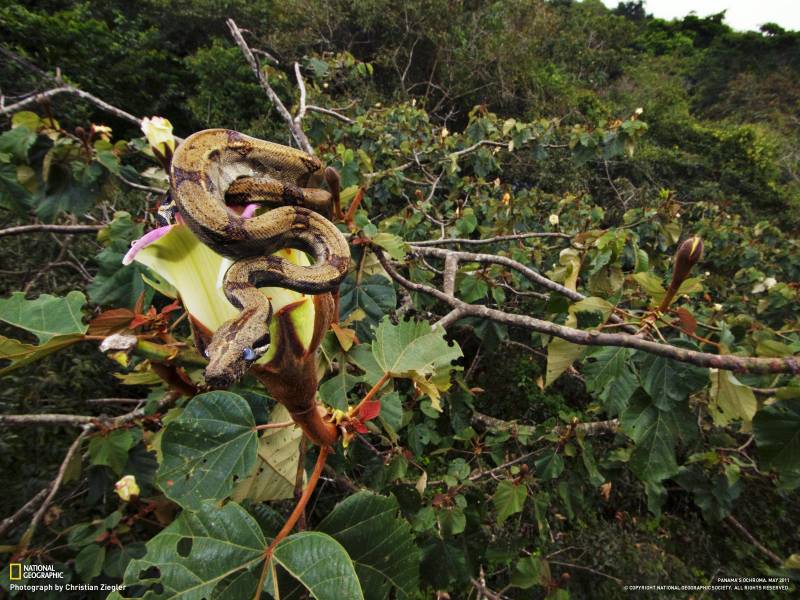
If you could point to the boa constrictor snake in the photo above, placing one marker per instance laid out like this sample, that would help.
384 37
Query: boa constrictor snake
217 167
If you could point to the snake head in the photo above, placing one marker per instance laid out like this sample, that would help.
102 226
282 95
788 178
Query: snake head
236 345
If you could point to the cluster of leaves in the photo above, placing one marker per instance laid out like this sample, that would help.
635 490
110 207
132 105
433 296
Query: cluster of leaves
488 469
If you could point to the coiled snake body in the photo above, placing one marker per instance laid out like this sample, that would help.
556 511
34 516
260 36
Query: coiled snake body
218 165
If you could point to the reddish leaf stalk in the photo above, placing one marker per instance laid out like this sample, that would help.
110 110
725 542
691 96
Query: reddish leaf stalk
322 458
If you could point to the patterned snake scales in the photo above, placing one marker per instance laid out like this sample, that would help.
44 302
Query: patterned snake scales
219 166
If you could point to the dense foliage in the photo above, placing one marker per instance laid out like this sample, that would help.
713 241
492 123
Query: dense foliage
503 461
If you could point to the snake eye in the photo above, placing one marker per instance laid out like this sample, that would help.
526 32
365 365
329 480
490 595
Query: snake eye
206 353
248 354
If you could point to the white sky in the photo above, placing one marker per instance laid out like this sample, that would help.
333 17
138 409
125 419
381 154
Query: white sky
741 14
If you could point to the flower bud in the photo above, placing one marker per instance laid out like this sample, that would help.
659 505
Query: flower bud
687 256
127 488
158 132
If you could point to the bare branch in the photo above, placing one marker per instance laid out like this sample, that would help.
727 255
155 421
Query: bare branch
54 487
26 509
330 113
294 128
492 240
68 89
145 188
66 229
730 520
301 84
595 338
45 419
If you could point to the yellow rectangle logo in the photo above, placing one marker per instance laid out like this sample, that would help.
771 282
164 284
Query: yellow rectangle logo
15 571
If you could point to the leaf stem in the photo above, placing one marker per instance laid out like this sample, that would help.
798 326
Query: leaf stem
280 425
371 393
322 458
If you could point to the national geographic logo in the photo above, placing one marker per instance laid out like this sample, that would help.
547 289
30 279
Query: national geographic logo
18 572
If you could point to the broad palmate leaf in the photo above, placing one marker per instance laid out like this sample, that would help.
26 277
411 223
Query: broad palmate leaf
777 431
47 316
412 350
320 563
214 553
275 471
379 542
210 446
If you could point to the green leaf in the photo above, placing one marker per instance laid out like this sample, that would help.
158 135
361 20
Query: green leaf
379 542
412 350
112 450
89 562
47 316
392 411
21 354
609 375
116 284
333 391
210 446
560 355
670 382
777 431
531 571
468 222
13 196
17 142
216 552
275 471
729 399
550 466
656 433
651 284
320 563
714 496
472 288
393 244
509 498
374 295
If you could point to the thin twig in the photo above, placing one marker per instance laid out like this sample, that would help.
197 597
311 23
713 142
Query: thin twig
330 113
27 508
730 520
54 487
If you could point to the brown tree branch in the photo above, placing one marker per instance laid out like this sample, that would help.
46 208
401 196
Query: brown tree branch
65 229
26 509
68 89
730 520
595 338
495 239
295 129
45 419
53 490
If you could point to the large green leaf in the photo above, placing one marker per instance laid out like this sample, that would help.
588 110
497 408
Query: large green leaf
509 498
656 433
412 350
777 431
321 564
275 471
670 382
379 542
21 354
374 295
210 446
586 314
47 316
609 374
729 399
112 450
116 284
214 553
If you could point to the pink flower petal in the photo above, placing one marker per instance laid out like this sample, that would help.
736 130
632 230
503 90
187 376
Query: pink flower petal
147 239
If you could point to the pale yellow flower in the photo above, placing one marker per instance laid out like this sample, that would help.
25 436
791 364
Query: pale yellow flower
126 488
158 132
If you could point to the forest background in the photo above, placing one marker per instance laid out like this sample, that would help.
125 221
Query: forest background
545 469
